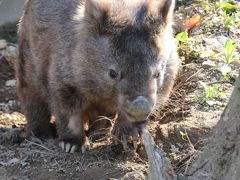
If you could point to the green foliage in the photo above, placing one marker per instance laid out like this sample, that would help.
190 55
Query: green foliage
230 20
184 135
182 36
188 48
229 8
231 14
225 60
229 49
228 58
210 93
206 7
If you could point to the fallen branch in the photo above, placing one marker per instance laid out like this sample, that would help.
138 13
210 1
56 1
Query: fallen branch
159 166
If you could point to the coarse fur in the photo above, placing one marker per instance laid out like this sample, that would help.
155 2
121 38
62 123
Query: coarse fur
81 59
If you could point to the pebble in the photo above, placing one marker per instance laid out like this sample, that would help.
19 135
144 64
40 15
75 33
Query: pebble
11 83
9 52
3 43
208 63
12 51
222 39
134 175
213 44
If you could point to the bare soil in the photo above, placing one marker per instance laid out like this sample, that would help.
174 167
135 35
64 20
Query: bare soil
43 159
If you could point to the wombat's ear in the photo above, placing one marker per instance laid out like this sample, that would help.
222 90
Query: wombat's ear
97 9
166 8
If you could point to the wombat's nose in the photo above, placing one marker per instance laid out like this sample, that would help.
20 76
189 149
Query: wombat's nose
139 108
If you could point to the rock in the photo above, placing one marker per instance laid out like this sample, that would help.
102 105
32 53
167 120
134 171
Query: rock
208 63
213 44
11 83
137 175
3 44
9 53
211 102
222 39
224 68
12 51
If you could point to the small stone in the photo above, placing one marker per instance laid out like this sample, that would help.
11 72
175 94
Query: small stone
211 102
222 39
213 44
225 68
11 83
208 63
138 175
3 43
174 149
12 51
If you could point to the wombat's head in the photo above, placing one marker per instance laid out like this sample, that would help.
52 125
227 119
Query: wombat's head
127 48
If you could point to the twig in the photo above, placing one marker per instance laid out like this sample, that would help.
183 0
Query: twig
188 163
101 118
189 141
193 75
103 133
39 145
197 169
221 82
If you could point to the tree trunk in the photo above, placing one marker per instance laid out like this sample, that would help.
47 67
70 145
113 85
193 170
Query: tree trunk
221 158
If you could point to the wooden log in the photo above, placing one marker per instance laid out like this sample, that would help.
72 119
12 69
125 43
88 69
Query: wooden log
159 165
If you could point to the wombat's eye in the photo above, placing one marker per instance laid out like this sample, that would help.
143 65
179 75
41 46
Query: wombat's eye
156 75
113 74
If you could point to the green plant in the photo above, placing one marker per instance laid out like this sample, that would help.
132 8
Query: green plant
231 15
210 93
206 7
181 1
228 50
184 135
182 36
227 59
229 20
228 7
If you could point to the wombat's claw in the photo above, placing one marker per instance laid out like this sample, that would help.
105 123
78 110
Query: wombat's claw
133 136
135 139
124 140
115 141
67 147
135 144
85 147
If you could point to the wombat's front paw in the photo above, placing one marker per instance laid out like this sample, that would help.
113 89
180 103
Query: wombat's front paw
122 132
72 145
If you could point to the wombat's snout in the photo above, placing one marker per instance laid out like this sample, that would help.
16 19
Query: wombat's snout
139 108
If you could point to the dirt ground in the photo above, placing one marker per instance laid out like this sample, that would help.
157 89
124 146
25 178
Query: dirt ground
180 128
43 159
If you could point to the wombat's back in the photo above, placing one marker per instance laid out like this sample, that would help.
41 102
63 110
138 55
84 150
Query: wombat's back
45 34
45 30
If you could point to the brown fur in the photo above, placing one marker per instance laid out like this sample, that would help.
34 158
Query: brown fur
66 49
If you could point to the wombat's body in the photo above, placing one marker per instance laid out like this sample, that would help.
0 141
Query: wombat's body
100 58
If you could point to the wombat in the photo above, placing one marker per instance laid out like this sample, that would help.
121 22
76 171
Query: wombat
80 59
